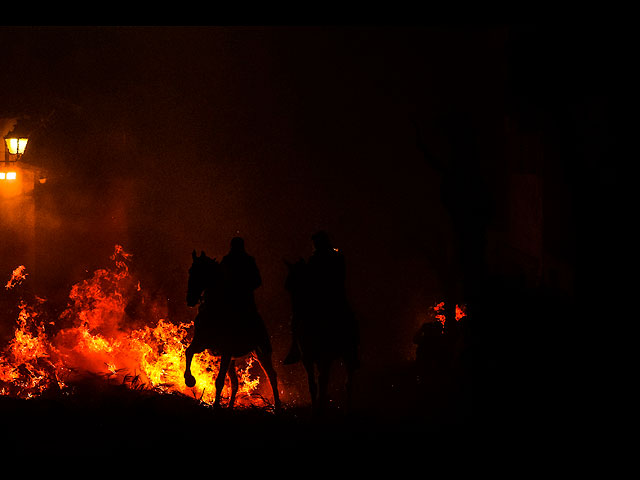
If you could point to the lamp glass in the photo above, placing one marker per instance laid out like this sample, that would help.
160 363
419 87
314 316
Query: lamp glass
16 145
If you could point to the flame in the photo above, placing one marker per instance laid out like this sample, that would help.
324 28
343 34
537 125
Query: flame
101 340
27 368
438 310
17 276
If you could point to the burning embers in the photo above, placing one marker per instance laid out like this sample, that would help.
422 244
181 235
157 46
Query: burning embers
96 336
17 277
439 315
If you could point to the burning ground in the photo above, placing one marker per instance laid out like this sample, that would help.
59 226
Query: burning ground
106 373
110 329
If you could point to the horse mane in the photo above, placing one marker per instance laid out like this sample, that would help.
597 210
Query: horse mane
210 261
204 259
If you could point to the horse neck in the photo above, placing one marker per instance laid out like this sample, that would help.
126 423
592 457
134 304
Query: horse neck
211 284
207 293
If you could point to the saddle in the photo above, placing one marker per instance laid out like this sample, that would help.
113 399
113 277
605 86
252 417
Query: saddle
237 333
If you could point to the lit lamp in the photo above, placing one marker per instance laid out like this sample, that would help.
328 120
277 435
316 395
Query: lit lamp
15 147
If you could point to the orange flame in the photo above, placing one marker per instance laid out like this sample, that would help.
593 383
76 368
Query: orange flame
17 277
438 310
103 341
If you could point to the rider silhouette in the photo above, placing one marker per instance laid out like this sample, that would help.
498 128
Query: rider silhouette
326 273
242 277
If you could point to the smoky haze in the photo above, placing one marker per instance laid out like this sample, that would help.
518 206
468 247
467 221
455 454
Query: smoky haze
166 140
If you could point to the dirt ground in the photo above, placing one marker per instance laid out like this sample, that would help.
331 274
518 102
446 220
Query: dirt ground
96 418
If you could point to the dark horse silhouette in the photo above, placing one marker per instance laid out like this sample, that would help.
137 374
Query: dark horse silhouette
324 333
223 329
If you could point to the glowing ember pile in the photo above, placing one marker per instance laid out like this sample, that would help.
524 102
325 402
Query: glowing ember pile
96 336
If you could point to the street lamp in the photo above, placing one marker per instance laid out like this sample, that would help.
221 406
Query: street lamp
16 145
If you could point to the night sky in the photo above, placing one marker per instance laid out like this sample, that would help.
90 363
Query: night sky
169 139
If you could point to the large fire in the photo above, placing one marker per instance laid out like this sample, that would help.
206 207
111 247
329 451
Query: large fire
96 336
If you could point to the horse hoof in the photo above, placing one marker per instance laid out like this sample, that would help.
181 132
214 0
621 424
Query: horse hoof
190 381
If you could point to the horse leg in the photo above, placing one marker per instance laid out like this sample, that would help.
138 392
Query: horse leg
267 366
222 373
233 376
189 380
311 380
349 385
323 385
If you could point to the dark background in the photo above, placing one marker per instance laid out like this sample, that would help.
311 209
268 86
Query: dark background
169 139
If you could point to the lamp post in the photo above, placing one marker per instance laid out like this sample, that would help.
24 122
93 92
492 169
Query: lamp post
17 203
16 145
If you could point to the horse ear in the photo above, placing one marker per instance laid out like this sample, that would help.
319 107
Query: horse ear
193 255
202 254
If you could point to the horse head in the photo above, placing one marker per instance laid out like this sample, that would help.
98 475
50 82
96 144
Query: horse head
201 276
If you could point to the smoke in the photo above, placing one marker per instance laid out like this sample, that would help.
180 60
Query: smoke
198 135
6 125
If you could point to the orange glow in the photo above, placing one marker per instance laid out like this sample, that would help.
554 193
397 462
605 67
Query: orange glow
438 310
17 276
101 341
